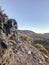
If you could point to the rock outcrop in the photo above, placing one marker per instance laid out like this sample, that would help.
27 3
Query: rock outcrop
8 39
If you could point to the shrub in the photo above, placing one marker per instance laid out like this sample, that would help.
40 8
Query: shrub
24 37
41 48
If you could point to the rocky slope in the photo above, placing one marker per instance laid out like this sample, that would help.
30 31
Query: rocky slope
14 51
42 39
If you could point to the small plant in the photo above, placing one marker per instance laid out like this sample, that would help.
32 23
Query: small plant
24 37
41 48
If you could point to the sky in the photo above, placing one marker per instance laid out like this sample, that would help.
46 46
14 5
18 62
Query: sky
29 14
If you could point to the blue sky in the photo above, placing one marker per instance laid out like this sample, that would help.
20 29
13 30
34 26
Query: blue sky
30 14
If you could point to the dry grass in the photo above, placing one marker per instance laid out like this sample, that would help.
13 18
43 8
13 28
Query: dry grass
41 48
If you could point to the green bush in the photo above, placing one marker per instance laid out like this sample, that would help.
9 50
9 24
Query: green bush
41 48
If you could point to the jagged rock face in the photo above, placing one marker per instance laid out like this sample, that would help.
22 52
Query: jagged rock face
5 57
12 28
8 35
12 25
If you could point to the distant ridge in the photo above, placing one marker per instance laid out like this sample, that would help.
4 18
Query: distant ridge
28 32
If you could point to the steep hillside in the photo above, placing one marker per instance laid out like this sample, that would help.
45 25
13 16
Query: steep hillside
16 50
